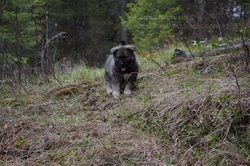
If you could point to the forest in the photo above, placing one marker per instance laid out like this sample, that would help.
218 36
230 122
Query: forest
190 106
36 35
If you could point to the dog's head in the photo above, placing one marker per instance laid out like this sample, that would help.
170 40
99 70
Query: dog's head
124 56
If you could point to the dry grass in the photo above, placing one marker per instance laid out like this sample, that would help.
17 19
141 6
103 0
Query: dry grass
177 116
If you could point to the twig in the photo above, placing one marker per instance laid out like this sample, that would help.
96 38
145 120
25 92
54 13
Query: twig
228 128
238 85
159 65
54 75
185 43
62 35
236 79
246 53
19 82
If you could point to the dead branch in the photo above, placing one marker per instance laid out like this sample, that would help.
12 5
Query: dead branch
223 50
44 57
158 65
61 35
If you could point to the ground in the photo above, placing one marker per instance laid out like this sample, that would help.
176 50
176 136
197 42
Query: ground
178 115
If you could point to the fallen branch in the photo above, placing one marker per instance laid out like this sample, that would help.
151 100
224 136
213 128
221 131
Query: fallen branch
223 50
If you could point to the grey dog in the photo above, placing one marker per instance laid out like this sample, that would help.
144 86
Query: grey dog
121 70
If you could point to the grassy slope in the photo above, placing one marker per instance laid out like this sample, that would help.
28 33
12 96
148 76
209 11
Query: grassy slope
177 116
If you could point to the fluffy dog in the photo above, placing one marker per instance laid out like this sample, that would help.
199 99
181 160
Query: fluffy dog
121 70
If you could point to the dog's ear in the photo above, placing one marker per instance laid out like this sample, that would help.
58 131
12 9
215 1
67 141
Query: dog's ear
114 49
130 47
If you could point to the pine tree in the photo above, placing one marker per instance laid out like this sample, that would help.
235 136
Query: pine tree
151 21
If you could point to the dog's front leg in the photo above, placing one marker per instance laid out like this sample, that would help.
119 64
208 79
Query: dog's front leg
116 89
127 90
108 87
130 82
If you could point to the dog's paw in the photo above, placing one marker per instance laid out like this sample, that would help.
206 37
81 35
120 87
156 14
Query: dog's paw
128 92
109 91
116 94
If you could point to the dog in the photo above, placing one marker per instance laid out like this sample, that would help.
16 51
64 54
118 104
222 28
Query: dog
121 70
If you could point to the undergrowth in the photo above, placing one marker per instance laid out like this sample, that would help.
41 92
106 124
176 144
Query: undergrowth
177 115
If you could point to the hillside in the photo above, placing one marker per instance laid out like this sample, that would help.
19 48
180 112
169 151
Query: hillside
178 115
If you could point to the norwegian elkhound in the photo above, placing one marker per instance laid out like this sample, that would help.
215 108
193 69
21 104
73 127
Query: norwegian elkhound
121 70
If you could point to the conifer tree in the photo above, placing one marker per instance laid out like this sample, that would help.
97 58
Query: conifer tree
151 21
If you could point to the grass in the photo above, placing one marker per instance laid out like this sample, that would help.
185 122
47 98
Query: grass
177 116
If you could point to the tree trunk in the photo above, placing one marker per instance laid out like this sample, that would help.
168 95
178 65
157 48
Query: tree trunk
122 7
46 57
2 8
201 7
245 13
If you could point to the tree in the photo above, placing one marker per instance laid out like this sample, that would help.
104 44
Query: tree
18 32
93 28
206 19
150 22
122 7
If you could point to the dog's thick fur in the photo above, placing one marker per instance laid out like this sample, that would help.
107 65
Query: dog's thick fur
121 70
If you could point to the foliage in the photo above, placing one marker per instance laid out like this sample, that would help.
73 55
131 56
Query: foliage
151 22
19 35
94 27
18 26
23 31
